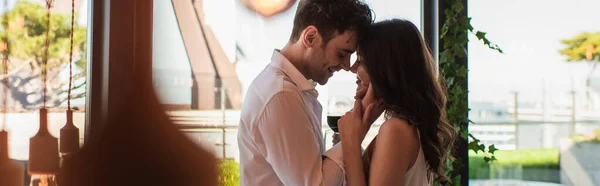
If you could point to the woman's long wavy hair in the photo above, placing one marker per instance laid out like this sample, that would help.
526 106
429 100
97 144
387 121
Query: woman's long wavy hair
404 77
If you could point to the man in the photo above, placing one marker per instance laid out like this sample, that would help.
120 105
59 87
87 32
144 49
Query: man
280 137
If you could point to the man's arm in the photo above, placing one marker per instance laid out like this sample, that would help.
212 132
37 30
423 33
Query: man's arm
291 144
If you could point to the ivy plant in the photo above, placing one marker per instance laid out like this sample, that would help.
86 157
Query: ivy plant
454 36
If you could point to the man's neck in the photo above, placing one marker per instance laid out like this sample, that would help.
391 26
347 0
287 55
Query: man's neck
294 55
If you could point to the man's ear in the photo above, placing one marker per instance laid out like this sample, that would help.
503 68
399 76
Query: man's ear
310 36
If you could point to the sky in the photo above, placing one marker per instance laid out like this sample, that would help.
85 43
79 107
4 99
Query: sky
529 32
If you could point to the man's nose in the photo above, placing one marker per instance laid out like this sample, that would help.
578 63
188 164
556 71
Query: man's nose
354 67
345 65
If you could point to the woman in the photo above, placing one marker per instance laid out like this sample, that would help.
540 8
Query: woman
413 142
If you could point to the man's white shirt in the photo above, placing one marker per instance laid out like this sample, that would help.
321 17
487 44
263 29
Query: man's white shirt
280 137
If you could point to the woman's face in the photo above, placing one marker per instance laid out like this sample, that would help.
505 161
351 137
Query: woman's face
362 81
363 90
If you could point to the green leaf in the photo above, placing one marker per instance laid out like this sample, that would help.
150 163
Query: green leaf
462 72
473 137
458 7
480 35
492 149
445 56
456 180
444 32
469 26
449 16
450 81
482 147
499 50
474 146
464 134
494 159
486 41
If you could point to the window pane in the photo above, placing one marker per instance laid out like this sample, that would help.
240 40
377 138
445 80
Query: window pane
26 28
534 104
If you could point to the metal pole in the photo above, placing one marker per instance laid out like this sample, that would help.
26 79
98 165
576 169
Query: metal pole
516 119
544 111
430 27
223 118
224 144
223 104
573 112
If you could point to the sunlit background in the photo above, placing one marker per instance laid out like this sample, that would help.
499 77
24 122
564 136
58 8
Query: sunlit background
541 110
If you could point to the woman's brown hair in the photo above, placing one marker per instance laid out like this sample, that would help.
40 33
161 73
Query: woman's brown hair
405 79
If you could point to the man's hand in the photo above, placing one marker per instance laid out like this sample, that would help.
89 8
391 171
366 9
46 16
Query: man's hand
336 138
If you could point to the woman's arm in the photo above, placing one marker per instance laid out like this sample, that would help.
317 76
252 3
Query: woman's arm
355 175
353 127
352 151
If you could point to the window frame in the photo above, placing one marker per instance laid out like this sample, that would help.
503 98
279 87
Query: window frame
121 42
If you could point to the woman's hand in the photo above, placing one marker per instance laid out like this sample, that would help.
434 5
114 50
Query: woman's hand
354 125
369 98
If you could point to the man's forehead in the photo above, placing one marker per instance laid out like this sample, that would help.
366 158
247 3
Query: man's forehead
346 41
348 36
351 36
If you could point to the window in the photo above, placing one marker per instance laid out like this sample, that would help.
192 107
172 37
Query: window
548 104
25 27
536 107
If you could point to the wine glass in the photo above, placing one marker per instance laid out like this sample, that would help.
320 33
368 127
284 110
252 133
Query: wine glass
332 121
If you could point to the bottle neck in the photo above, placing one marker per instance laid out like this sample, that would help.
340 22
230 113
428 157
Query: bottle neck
70 117
43 120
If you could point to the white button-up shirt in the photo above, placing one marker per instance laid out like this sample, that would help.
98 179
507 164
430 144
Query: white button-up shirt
279 136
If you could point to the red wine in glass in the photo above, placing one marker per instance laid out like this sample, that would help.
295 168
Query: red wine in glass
332 121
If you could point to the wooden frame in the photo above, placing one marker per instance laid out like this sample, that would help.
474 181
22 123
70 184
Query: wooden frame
121 43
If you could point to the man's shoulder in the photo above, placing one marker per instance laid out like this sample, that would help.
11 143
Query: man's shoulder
267 85
270 82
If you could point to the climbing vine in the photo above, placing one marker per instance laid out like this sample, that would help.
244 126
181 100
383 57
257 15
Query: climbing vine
453 52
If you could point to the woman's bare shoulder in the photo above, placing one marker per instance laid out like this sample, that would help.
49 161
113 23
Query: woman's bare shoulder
398 130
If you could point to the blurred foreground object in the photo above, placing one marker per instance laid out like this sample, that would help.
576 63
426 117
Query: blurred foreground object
139 146
134 142
11 172
43 147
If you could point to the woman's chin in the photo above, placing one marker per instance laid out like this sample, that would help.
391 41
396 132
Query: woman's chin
365 103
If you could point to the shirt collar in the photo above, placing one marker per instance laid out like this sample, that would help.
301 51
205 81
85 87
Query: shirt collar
279 61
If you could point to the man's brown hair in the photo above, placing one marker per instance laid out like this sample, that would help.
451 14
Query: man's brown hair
330 16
